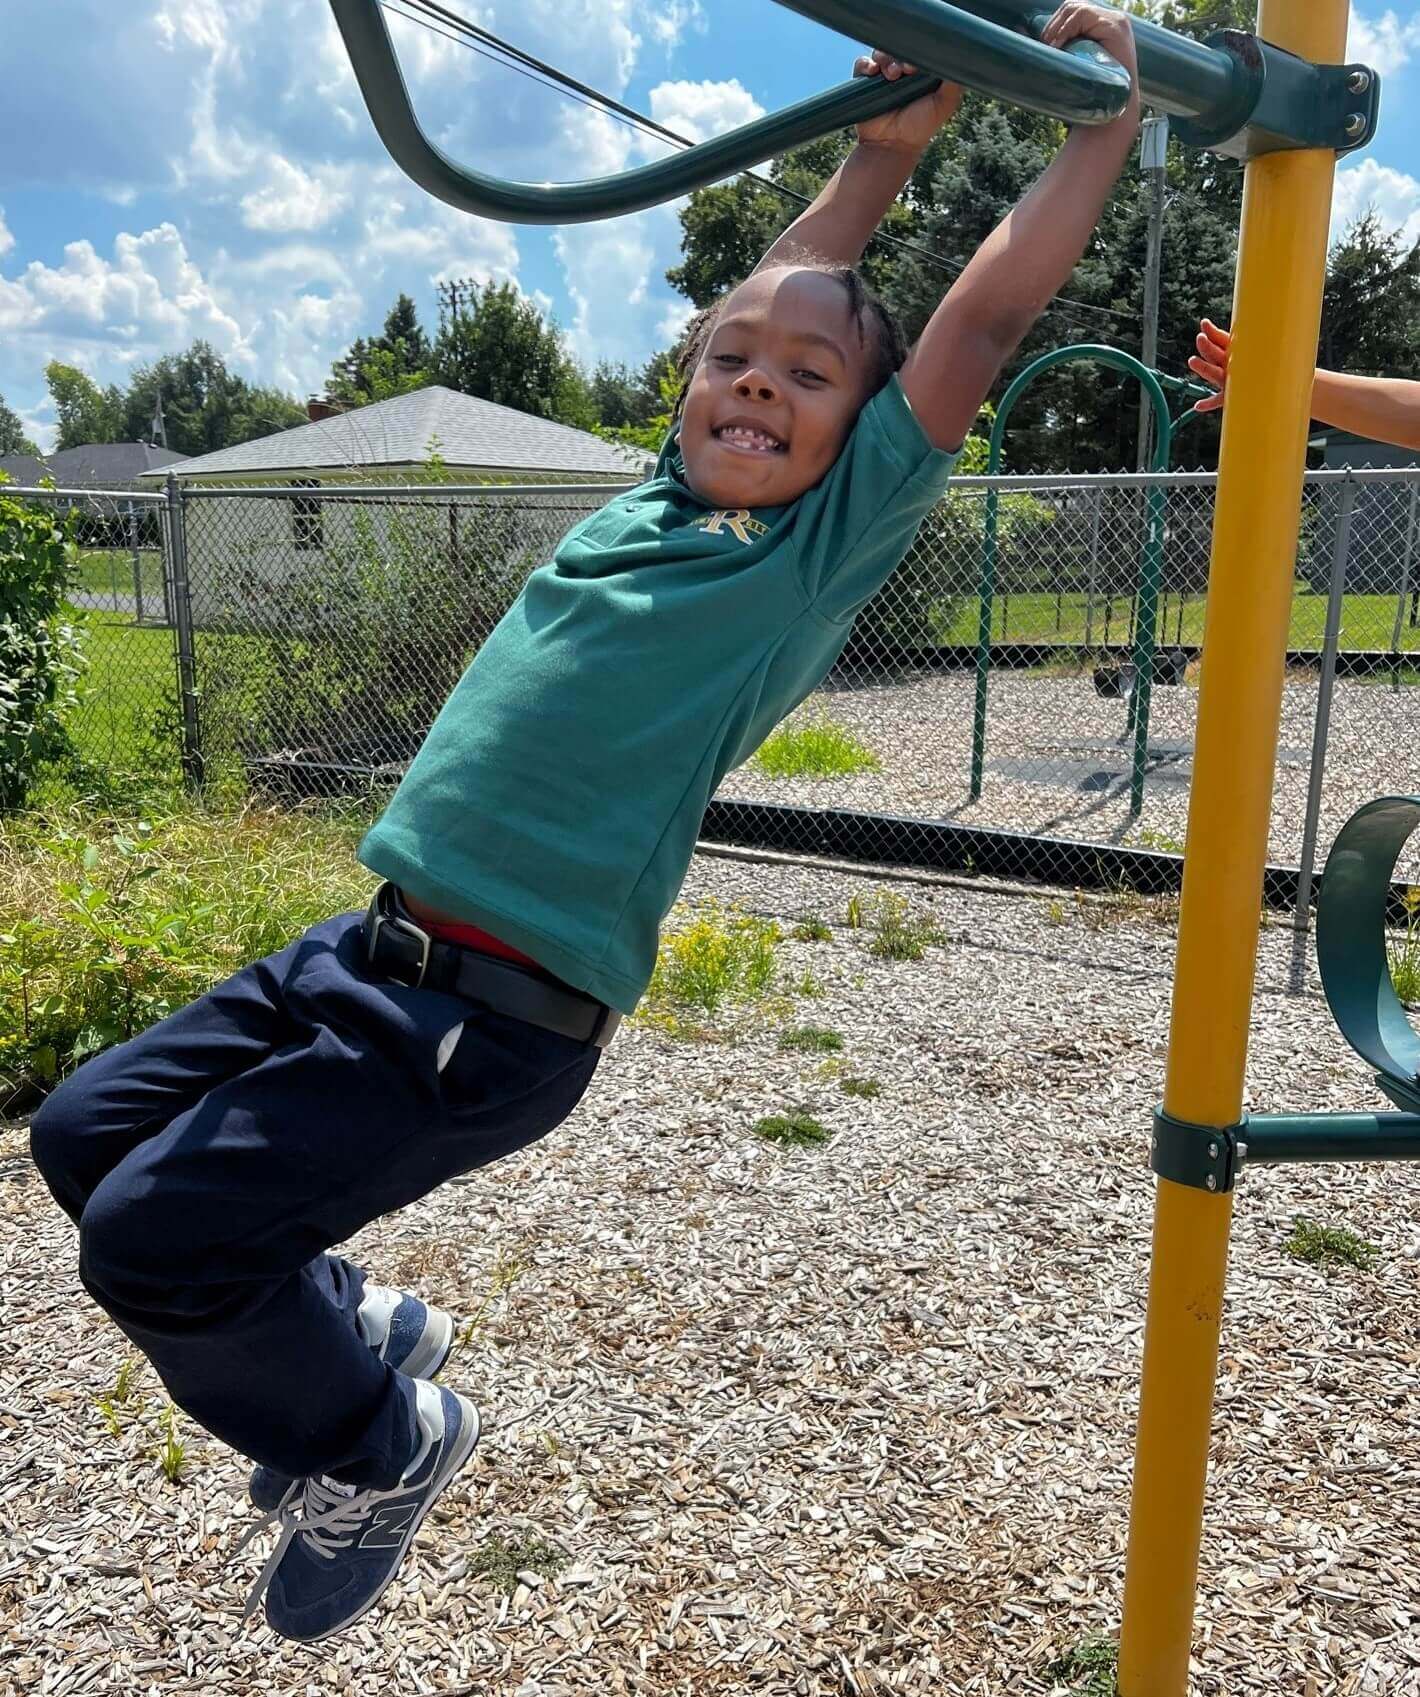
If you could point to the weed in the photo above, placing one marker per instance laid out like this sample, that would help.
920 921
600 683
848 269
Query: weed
818 748
1089 1668
793 1130
898 932
172 1457
810 1040
1055 913
864 1087
810 986
508 1267
718 957
1159 840
1404 952
122 1399
1328 1247
856 915
812 929
500 1561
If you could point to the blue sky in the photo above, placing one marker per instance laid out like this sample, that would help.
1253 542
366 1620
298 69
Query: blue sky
182 168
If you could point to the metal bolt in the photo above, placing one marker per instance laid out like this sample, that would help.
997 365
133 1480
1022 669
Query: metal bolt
1212 1151
1355 126
1212 1182
1359 81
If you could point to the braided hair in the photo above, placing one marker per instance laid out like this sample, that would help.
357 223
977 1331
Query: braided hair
876 326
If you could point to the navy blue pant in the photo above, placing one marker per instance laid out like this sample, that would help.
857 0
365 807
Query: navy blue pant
210 1163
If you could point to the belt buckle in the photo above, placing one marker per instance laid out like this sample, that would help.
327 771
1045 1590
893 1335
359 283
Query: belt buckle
405 930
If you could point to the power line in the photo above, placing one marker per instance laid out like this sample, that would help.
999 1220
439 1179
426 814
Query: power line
430 15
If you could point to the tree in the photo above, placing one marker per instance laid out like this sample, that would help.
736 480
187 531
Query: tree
86 412
1371 316
205 406
500 348
12 433
392 363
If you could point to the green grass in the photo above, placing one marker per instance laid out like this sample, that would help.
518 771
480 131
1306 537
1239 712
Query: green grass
109 571
172 1454
718 957
810 1040
1367 621
867 1088
1329 1247
793 1130
812 929
1088 1668
817 749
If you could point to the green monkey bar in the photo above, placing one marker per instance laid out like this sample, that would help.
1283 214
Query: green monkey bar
1234 93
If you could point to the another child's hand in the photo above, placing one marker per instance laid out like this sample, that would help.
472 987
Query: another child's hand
1078 20
1211 363
910 127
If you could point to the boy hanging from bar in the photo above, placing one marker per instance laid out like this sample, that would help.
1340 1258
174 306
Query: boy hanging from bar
529 856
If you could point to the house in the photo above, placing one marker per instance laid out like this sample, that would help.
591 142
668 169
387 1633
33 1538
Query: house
1385 517
106 468
244 548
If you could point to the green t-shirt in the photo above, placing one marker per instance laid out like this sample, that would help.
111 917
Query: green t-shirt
557 799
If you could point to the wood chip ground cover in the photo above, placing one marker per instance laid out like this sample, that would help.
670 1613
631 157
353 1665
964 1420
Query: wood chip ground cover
803 1422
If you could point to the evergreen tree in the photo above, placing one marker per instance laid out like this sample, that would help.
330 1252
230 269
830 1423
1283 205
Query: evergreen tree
392 363
1371 317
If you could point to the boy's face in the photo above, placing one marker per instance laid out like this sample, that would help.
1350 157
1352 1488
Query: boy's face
778 388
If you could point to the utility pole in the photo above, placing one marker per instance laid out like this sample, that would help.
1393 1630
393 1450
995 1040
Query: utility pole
1153 153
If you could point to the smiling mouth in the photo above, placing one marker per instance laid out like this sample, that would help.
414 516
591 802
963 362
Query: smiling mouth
743 440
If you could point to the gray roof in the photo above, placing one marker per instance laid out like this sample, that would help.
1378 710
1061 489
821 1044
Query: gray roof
92 465
467 433
24 469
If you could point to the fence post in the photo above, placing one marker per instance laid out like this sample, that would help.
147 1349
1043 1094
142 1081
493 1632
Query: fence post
1094 568
1322 729
180 594
137 564
1404 585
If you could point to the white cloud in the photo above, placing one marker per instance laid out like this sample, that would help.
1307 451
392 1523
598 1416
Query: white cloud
1394 195
700 110
293 199
1386 43
7 241
669 23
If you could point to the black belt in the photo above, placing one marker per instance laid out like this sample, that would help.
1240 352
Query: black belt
401 950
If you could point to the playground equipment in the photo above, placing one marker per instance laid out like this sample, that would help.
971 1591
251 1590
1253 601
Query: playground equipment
1282 101
1135 682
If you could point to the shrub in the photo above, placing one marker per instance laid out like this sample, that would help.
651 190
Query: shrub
40 659
794 1130
717 958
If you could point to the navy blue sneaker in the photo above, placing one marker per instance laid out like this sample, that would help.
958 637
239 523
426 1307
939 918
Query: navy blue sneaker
340 1546
403 1331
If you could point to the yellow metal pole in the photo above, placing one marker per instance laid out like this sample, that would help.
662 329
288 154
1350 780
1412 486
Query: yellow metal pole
1276 315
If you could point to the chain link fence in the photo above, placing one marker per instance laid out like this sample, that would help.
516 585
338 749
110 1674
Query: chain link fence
1019 699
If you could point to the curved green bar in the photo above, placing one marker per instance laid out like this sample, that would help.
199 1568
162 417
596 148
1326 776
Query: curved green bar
1151 573
1081 85
1351 946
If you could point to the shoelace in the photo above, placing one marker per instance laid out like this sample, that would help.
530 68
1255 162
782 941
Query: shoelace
327 1520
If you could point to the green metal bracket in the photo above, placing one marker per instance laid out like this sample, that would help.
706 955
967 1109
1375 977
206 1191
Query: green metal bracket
1286 102
1200 1156
1233 92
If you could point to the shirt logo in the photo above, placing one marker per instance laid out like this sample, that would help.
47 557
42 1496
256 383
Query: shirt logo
389 1526
741 522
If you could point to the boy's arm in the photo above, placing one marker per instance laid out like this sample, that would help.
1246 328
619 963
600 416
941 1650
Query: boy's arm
1386 409
1028 257
848 209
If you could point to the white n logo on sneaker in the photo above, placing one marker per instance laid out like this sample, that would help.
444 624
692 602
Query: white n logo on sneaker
387 1529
